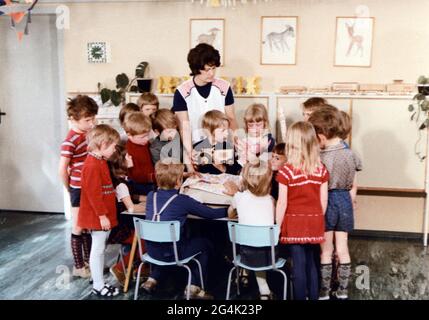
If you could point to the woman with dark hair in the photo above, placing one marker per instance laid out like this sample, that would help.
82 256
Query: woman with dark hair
202 93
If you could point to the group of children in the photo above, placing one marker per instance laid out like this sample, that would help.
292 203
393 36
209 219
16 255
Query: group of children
307 185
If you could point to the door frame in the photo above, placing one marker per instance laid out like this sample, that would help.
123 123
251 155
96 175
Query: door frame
52 10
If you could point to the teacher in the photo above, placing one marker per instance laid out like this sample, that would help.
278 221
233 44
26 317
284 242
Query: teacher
202 93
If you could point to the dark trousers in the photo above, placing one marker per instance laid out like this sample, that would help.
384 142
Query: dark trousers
186 248
305 273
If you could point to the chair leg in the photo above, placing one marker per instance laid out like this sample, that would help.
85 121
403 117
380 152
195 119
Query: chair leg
285 283
238 280
121 257
136 292
228 288
188 287
201 273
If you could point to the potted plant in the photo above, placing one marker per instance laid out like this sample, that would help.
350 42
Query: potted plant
123 85
420 110
144 84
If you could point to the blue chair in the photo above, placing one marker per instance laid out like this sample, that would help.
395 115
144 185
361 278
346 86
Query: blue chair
162 231
254 236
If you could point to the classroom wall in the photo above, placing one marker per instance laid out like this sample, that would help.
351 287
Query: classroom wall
159 33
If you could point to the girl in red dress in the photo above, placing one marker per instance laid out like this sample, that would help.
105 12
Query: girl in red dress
303 197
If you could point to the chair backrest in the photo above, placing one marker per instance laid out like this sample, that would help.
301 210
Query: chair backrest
157 231
253 236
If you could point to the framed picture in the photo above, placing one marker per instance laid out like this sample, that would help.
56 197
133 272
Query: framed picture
353 41
211 31
278 40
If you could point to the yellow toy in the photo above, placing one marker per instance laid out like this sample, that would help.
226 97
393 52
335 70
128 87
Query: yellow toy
160 84
238 87
252 85
166 88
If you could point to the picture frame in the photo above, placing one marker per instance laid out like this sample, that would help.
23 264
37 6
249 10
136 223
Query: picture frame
97 52
211 31
278 40
354 41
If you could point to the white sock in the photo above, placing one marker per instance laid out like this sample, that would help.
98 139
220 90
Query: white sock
261 279
96 258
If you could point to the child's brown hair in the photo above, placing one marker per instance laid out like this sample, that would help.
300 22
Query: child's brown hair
164 119
118 162
279 148
168 172
312 103
326 121
80 107
147 98
137 123
346 125
256 112
102 134
126 110
257 178
213 119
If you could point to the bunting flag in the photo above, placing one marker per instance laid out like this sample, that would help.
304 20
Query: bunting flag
17 11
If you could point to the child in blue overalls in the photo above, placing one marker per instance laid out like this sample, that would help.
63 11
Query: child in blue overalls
166 204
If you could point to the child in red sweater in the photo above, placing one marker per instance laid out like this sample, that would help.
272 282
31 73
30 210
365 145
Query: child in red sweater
98 206
302 202
141 173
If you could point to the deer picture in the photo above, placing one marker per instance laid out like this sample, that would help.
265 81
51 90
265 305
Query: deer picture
355 40
208 38
278 40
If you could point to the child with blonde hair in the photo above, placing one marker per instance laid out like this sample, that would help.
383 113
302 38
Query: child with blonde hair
148 103
342 164
255 206
303 195
97 211
258 141
215 153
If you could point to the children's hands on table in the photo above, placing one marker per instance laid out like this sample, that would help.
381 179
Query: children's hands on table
232 213
230 188
105 223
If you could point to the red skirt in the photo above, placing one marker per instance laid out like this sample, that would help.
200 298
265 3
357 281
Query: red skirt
303 228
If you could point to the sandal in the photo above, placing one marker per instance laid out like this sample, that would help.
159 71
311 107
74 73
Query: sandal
244 279
106 291
269 296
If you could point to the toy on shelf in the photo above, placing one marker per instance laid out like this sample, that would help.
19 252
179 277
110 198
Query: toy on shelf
345 87
252 85
293 89
238 85
366 88
160 85
398 87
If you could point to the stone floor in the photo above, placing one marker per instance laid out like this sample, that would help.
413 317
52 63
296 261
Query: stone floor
35 263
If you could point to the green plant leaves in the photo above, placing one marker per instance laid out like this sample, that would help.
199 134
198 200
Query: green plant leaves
105 95
116 98
411 108
422 80
419 97
141 69
122 81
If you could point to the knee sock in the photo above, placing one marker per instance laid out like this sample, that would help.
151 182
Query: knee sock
326 275
86 245
344 271
76 246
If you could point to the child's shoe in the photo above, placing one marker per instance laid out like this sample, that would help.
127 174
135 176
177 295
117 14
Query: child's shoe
106 291
341 294
324 294
149 285
118 274
197 293
82 272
